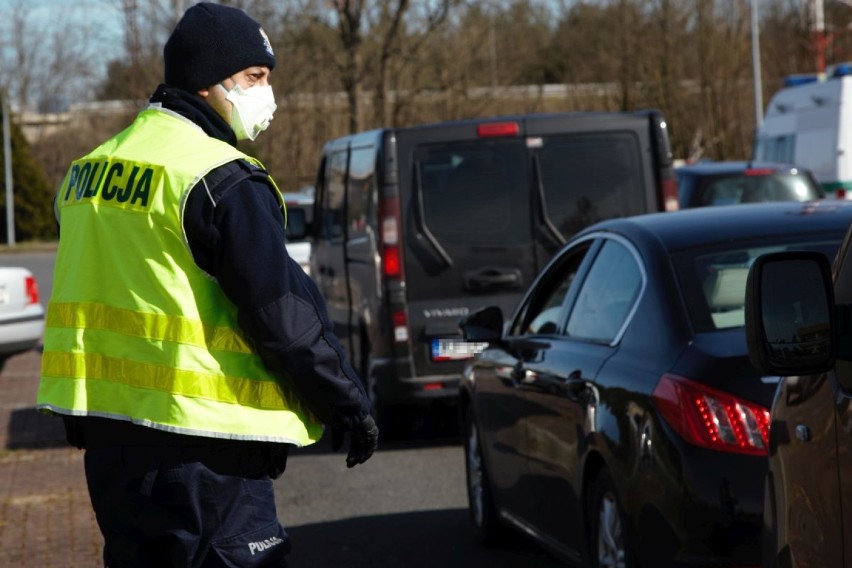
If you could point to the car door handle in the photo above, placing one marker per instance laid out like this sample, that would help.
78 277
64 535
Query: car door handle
575 381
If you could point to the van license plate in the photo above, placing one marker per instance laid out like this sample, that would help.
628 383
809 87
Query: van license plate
454 349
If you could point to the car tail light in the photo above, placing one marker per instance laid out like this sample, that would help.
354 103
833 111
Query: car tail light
31 288
391 241
495 129
669 192
711 418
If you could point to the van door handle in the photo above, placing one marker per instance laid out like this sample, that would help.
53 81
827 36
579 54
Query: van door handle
492 277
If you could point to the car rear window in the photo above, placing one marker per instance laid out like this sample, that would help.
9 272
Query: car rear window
713 281
475 192
755 188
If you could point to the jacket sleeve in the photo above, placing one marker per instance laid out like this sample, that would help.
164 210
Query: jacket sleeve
238 237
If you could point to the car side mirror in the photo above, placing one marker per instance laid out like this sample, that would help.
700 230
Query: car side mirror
484 324
790 314
297 226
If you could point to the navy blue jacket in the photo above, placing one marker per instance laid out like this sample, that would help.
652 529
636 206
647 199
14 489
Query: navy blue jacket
236 234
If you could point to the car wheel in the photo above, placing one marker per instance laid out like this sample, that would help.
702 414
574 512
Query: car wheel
483 515
607 526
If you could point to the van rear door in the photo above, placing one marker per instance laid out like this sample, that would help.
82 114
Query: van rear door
467 230
588 167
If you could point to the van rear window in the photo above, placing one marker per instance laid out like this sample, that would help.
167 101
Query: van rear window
591 177
475 192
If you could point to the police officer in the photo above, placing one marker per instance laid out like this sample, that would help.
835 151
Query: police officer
184 349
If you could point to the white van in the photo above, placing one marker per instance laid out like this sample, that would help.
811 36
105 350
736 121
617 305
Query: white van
809 123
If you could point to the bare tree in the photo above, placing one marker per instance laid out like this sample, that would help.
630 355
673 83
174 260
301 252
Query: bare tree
349 16
348 65
46 67
25 48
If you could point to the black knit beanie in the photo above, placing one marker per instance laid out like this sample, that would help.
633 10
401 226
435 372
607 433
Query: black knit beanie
212 42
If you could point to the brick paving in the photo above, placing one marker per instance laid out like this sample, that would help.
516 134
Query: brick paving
46 519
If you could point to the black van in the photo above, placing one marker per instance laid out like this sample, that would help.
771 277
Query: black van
416 227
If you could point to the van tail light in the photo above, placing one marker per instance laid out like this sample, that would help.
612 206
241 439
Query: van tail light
840 193
668 190
497 129
391 245
711 418
392 262
31 290
400 326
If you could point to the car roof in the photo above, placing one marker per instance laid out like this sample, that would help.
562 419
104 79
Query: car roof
688 228
732 167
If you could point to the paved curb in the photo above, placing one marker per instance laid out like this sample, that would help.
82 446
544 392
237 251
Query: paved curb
29 246
46 518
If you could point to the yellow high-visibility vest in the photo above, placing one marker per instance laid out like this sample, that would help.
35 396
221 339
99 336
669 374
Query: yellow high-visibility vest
135 330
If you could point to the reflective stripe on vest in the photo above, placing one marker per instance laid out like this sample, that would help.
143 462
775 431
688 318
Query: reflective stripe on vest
135 330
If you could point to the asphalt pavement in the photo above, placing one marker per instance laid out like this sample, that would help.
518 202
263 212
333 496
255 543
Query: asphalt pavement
405 508
373 516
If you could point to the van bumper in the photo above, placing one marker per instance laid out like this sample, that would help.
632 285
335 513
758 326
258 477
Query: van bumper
393 383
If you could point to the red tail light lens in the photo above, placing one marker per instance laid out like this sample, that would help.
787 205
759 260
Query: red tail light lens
712 418
759 172
494 129
391 261
31 289
391 241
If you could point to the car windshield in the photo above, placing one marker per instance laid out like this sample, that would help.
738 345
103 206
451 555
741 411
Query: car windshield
728 190
713 280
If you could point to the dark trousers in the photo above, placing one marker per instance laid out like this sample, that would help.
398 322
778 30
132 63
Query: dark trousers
199 507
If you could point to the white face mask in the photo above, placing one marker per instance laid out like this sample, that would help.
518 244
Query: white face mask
253 109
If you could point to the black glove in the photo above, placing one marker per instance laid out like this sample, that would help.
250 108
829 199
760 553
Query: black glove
363 441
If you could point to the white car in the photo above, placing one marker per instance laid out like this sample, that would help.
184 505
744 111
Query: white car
21 312
300 248
300 251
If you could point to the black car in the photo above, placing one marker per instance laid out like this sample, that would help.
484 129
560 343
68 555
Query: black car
616 417
730 183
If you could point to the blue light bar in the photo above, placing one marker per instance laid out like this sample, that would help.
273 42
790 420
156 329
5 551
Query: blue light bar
803 79
842 69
